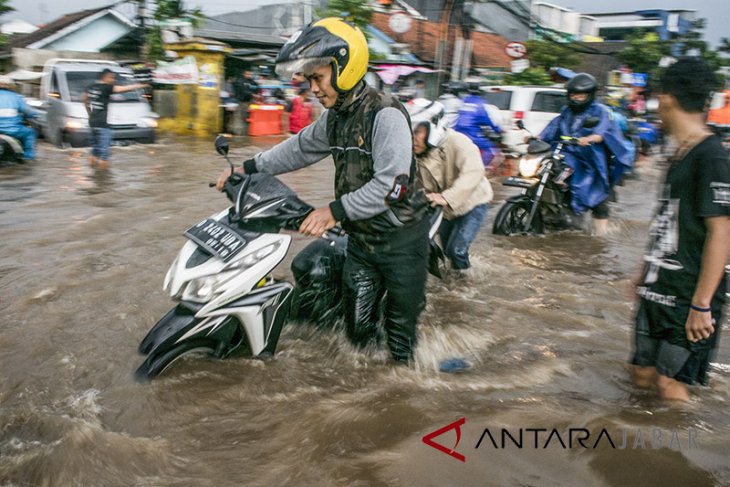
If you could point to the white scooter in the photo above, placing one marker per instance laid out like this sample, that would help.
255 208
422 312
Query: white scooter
227 299
221 277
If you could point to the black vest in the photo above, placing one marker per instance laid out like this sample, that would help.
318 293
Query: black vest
350 135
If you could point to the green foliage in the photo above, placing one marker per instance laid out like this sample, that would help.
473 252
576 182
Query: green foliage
530 76
358 12
693 42
175 9
5 8
167 10
546 54
643 53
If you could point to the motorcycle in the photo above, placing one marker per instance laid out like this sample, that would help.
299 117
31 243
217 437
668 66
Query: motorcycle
227 300
11 149
545 197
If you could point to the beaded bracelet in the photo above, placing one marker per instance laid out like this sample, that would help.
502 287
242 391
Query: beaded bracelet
701 310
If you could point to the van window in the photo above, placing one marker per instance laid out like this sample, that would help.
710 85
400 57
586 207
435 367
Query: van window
500 99
548 101
80 81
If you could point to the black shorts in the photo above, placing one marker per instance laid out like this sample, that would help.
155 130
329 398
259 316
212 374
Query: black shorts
660 341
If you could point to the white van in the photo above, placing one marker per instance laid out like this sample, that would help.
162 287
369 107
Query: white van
64 120
536 106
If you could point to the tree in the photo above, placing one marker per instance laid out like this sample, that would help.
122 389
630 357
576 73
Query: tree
643 53
692 43
4 9
167 10
548 54
358 12
530 76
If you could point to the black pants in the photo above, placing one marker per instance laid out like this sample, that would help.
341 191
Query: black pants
396 271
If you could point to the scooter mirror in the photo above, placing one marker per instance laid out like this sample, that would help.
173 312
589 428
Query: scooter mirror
591 122
520 125
221 145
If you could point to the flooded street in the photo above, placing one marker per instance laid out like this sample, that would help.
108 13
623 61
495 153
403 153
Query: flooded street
545 323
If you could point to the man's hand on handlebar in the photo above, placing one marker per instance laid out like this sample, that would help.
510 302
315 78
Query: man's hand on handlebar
590 140
318 222
221 181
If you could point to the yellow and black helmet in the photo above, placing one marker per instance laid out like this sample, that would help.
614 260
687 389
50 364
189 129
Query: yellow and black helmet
327 41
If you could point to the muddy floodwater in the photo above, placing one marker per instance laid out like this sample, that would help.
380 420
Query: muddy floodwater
544 322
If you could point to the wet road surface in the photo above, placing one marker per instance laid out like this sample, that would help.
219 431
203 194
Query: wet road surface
544 322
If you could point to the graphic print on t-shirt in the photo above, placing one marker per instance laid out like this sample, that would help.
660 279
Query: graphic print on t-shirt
664 232
720 193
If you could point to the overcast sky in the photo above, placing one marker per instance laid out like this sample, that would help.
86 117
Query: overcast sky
717 12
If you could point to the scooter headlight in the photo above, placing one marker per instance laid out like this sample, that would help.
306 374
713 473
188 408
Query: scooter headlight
252 258
204 289
528 166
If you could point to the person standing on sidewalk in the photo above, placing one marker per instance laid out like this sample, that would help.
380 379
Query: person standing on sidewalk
96 100
683 283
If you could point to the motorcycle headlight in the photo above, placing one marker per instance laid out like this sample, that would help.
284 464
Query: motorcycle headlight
528 166
204 289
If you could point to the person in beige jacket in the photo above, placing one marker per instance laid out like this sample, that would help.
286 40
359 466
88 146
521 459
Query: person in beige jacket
449 168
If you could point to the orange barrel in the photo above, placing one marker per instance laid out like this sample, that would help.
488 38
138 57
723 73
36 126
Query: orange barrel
264 119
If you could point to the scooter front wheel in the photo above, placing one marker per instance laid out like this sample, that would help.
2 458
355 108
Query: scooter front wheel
158 363
512 219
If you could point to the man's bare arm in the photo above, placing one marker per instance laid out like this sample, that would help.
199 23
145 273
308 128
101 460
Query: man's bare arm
715 257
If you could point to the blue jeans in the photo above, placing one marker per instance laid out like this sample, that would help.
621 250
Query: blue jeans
458 234
101 141
26 136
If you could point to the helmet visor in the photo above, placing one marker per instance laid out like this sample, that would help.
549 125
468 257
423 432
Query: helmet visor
305 66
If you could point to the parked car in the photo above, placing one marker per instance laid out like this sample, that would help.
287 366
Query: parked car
536 106
64 120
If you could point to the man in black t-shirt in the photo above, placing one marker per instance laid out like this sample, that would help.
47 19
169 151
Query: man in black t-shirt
683 282
96 100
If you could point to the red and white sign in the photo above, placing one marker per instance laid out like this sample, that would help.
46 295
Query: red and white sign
515 50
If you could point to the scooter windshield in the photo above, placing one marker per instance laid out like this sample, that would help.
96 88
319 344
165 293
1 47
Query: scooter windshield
266 202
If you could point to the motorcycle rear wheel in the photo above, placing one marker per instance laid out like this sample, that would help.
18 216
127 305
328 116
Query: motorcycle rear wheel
158 363
512 219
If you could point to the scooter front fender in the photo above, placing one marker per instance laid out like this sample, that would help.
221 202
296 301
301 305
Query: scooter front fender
174 324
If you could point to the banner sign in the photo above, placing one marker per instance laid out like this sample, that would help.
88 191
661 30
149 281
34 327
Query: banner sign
181 72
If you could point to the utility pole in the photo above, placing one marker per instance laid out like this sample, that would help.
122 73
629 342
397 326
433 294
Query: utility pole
142 20
443 40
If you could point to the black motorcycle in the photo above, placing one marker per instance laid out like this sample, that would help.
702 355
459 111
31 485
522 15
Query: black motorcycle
545 198
11 150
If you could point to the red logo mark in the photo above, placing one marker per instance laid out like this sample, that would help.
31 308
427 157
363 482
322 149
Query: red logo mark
456 425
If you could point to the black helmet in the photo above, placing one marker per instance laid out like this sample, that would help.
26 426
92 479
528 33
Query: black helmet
581 83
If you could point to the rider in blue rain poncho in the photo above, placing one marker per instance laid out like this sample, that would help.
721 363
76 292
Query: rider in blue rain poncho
473 116
601 156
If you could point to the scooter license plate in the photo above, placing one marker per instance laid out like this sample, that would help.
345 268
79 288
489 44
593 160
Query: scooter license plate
217 238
